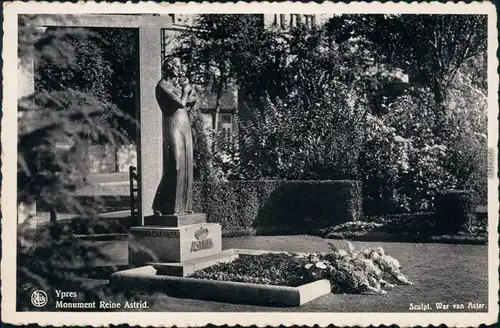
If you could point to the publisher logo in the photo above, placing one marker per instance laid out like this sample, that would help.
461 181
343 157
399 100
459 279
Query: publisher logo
39 298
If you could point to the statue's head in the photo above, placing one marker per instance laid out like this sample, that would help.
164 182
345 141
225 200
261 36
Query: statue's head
172 67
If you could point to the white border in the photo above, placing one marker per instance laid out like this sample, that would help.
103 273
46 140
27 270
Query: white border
9 172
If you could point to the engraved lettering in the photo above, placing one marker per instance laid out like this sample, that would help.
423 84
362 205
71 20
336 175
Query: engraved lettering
201 245
155 233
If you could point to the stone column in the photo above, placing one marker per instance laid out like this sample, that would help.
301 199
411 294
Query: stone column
149 136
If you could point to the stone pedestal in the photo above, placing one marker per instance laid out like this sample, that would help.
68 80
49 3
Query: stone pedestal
154 244
175 220
177 245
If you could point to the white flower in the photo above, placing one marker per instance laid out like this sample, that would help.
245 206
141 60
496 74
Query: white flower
321 265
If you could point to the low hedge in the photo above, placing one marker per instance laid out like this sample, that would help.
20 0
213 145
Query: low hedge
262 205
455 210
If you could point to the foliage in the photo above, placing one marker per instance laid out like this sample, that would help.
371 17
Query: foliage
398 227
201 153
404 111
300 119
437 46
68 109
51 258
297 140
467 108
104 65
418 223
418 227
407 158
438 141
268 269
430 48
355 226
302 65
277 70
473 238
212 48
263 205
119 48
49 247
88 72
456 210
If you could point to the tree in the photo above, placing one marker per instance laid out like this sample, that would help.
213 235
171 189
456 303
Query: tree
120 49
429 48
379 74
413 147
440 45
69 108
212 47
65 112
296 88
105 67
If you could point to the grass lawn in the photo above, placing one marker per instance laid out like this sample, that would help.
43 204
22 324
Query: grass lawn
439 272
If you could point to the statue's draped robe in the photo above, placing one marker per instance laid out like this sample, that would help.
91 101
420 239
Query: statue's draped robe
174 193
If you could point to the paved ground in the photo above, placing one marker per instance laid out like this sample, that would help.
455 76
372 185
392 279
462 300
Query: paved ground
440 273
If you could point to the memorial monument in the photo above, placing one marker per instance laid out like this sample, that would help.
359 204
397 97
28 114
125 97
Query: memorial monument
174 235
175 95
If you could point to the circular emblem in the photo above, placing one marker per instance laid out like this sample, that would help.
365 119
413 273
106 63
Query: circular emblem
201 234
39 298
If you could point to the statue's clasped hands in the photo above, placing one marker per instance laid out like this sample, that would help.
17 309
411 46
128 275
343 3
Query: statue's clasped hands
188 91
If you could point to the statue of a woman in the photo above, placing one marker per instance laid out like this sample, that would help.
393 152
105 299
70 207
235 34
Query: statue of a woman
174 95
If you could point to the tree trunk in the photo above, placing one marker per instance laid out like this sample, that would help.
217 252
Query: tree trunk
117 163
216 121
437 89
53 214
440 127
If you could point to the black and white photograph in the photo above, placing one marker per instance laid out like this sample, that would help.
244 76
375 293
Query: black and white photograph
243 164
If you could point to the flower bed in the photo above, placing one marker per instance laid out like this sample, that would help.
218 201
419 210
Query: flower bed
354 271
415 227
269 269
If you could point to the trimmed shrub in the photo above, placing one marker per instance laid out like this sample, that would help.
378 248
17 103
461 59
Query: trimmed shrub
455 210
257 206
263 205
420 223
